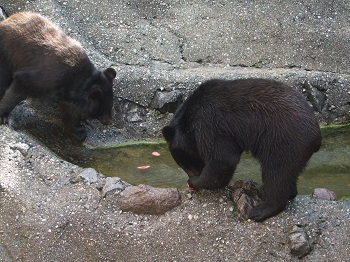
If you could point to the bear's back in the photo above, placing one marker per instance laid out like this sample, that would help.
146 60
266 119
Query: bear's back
250 109
33 34
264 96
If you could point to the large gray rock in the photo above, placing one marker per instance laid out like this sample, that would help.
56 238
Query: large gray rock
145 199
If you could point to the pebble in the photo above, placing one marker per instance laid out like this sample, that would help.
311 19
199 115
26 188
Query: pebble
299 244
113 183
89 175
324 193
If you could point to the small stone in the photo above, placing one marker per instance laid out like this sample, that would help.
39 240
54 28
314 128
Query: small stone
324 193
21 147
89 175
76 179
113 183
299 244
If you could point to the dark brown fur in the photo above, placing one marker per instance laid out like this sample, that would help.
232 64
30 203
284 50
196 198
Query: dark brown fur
221 119
37 59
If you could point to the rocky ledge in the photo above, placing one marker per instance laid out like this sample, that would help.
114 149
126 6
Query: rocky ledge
53 210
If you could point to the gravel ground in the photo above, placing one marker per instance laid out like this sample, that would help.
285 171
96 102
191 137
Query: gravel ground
45 217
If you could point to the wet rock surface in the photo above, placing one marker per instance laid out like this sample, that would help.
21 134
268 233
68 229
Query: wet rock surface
162 50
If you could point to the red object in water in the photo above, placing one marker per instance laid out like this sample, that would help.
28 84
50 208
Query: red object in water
143 167
155 153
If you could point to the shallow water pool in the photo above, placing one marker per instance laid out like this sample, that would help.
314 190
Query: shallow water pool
329 168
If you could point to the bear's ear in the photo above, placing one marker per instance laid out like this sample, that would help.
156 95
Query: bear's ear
110 73
168 133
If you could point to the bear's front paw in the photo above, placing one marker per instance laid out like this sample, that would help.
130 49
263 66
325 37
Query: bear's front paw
193 183
263 211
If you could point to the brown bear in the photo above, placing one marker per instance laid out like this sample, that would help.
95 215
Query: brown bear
223 118
37 59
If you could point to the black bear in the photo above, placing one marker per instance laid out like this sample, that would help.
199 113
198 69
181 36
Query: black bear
223 118
37 59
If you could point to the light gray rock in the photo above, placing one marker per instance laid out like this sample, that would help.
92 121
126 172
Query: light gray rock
113 183
324 193
299 243
21 147
3 14
88 175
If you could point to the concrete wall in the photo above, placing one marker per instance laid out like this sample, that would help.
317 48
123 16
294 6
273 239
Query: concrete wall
165 48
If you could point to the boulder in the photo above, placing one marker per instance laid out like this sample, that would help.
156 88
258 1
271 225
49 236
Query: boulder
144 199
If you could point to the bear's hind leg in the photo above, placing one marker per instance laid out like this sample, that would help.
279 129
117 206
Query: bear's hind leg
8 102
279 187
5 81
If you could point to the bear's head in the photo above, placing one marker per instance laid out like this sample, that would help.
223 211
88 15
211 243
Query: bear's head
183 148
100 96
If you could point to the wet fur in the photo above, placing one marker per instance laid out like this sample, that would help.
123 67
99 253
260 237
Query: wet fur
37 59
221 119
